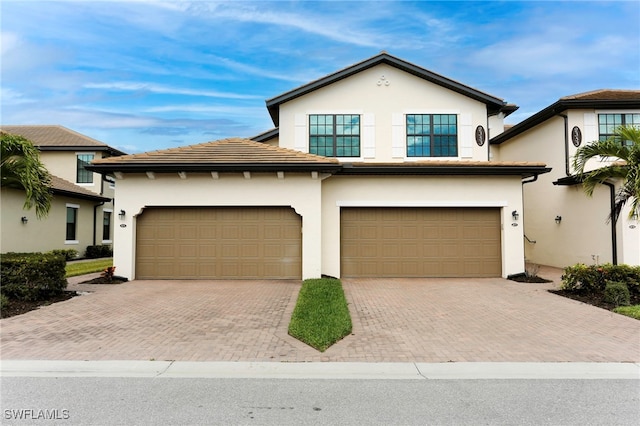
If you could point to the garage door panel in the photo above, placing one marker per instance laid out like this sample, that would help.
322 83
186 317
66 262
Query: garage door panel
420 242
219 242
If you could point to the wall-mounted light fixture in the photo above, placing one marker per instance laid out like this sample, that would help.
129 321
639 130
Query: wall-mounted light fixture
634 215
558 219
24 219
122 214
515 215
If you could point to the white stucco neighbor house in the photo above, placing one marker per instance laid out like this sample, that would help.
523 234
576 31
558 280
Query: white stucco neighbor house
81 211
381 169
563 226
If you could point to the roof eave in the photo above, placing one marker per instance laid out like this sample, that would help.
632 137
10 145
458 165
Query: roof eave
72 194
559 107
218 167
523 171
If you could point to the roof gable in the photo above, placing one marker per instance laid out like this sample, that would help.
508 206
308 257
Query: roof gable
494 104
54 138
63 187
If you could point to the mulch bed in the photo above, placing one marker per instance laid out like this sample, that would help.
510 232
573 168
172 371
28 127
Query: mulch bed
594 299
102 280
17 307
523 278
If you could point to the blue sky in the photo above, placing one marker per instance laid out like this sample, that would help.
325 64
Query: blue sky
148 75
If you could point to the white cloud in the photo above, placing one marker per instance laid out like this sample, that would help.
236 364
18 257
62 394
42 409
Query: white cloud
128 86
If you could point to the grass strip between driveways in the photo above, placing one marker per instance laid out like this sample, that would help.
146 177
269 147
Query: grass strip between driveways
81 268
630 311
321 316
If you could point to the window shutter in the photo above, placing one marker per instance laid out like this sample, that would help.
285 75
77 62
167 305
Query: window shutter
368 136
397 135
300 133
590 127
465 136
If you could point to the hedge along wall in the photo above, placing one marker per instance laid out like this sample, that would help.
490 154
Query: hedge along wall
32 276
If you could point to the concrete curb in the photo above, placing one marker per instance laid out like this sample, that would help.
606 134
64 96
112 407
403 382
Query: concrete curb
333 370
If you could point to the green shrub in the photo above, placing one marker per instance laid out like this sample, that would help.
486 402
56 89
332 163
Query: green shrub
95 252
69 254
32 276
4 302
617 293
321 316
594 278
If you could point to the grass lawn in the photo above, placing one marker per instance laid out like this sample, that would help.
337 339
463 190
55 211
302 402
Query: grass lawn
82 268
321 316
630 311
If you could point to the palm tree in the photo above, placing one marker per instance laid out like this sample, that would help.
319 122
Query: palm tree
623 149
20 168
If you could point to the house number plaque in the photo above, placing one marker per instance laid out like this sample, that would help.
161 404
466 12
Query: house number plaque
481 135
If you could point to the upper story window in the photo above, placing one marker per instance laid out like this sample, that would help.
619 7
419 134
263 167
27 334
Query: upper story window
82 174
607 124
334 135
432 135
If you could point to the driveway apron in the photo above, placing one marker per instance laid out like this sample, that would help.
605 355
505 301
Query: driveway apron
394 320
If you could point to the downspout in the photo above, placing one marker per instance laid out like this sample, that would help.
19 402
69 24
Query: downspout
567 170
531 180
614 237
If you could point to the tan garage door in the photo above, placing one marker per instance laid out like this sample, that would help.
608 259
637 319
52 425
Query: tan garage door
420 242
219 243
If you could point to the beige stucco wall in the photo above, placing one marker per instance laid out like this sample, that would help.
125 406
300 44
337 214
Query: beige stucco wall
317 200
63 165
299 191
382 95
583 235
422 191
42 235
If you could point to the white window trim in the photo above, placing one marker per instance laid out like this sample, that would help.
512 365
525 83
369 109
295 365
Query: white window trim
406 112
337 112
94 174
108 211
77 207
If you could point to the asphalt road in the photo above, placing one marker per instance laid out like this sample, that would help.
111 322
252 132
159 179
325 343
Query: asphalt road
275 401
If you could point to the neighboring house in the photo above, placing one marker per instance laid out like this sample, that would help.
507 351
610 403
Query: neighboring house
378 170
82 207
563 225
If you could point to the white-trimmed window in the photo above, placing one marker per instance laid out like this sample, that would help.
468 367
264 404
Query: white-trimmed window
107 216
334 135
82 174
608 123
432 135
71 236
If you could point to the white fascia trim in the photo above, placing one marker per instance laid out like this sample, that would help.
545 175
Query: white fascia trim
617 111
387 203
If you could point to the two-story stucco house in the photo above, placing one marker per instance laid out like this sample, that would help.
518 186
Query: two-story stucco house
380 169
562 224
82 207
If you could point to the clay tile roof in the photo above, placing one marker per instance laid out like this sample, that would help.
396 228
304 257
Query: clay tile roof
232 151
64 187
47 137
606 94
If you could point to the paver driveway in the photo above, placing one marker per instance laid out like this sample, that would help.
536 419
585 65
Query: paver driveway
395 320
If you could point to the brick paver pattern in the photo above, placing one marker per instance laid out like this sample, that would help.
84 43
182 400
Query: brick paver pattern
394 320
